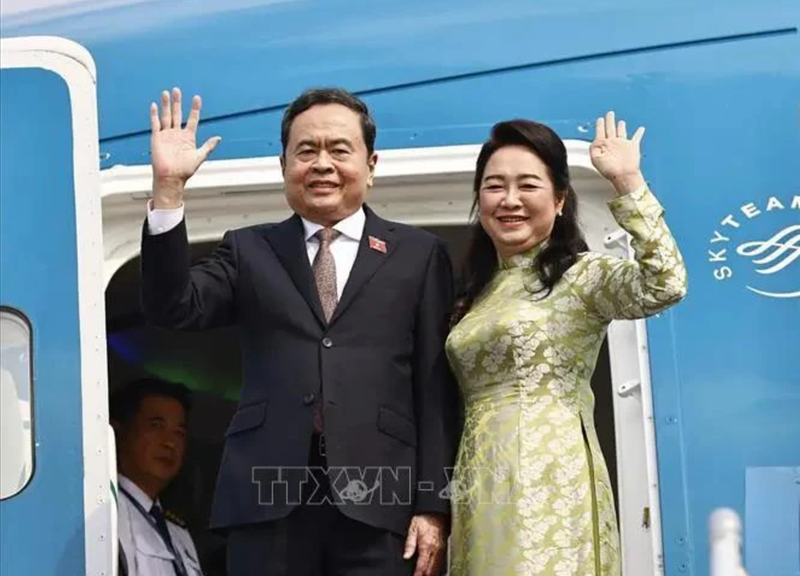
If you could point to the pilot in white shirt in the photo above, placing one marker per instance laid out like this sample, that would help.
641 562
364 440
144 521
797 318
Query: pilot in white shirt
146 552
149 417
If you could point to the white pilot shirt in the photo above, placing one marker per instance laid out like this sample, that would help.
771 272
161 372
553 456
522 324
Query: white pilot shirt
343 249
146 552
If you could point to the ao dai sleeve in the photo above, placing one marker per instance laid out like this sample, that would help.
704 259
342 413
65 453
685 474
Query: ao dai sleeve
617 288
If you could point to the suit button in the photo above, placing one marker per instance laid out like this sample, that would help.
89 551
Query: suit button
308 398
327 342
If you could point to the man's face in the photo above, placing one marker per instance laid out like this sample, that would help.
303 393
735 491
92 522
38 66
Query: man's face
153 443
326 168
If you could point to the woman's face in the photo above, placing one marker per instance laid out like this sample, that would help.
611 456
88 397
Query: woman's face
518 204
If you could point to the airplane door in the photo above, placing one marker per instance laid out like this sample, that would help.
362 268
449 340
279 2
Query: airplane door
56 502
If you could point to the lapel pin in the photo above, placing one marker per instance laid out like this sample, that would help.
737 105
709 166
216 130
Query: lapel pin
377 244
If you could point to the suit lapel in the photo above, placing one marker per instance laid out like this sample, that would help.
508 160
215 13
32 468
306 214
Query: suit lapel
288 242
368 259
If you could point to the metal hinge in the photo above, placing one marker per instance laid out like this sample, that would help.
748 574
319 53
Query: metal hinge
627 388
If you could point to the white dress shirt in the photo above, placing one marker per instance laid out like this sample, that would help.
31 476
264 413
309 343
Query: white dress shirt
145 551
344 248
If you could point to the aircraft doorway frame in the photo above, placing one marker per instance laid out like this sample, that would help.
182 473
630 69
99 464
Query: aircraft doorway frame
75 67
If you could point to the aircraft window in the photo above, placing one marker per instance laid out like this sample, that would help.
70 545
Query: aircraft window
16 439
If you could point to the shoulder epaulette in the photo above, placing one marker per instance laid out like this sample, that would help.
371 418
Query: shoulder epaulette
174 518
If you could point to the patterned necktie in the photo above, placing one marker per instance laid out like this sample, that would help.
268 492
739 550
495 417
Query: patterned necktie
161 526
324 269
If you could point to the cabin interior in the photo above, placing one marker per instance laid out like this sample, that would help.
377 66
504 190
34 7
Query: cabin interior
209 364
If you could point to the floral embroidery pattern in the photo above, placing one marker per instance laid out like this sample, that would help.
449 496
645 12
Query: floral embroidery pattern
531 492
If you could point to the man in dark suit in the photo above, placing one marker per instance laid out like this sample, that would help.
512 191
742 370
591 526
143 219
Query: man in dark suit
336 461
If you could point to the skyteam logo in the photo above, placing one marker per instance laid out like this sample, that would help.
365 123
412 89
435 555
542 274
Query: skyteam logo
759 246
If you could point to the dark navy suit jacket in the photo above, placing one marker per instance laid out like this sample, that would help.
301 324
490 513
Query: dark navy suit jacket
390 400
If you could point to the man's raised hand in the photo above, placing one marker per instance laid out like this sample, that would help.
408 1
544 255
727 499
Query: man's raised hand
173 149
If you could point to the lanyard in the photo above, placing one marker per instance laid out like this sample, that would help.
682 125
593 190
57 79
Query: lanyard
177 563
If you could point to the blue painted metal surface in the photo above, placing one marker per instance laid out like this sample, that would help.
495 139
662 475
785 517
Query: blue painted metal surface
250 58
716 83
773 521
38 253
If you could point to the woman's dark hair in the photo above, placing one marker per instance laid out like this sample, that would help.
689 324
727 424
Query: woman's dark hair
566 240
